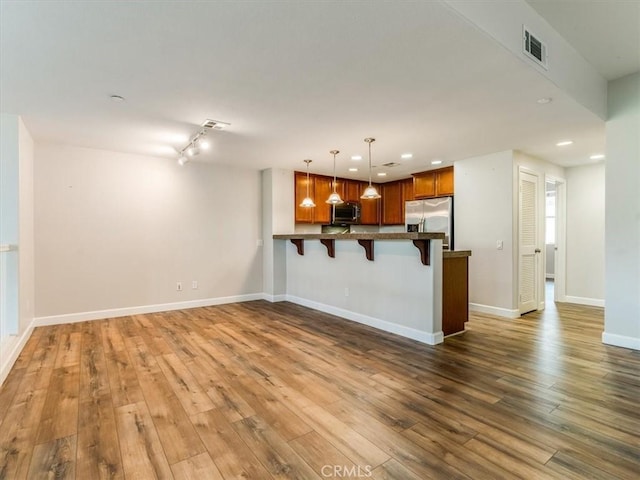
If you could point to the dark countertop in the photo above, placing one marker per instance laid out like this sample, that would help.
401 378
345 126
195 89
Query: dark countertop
456 253
360 236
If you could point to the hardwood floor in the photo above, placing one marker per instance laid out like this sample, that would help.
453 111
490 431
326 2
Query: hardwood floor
259 391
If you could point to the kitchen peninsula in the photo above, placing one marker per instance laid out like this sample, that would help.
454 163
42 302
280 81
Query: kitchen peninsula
397 282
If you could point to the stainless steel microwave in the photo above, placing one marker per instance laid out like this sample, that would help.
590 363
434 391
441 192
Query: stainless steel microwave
346 213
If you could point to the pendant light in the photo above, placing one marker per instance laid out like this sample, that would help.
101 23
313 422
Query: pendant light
370 192
307 202
334 198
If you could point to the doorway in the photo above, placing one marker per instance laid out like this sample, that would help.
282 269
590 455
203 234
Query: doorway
554 244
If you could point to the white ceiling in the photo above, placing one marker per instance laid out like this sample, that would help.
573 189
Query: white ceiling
294 79
605 32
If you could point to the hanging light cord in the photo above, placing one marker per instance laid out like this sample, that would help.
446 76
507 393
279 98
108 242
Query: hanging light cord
369 140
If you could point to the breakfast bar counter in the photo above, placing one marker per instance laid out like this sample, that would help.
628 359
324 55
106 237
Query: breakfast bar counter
395 284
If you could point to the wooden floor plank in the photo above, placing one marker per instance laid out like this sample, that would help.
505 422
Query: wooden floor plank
60 413
231 455
200 467
269 390
142 453
54 459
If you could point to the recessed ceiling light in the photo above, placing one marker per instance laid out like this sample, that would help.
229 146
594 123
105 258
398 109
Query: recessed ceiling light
116 98
544 100
564 143
353 169
597 156
382 174
406 155
436 162
356 157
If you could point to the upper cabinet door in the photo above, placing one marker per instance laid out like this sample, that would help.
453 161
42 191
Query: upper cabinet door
392 203
444 182
370 208
303 214
323 188
434 183
352 191
424 185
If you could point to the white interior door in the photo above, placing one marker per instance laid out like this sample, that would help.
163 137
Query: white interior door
528 248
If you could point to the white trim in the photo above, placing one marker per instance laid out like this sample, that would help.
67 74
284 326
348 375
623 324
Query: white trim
18 344
274 298
592 302
161 307
500 312
621 340
408 332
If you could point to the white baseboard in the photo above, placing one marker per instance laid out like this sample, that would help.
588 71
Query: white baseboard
408 332
12 348
126 311
274 298
491 310
621 340
592 302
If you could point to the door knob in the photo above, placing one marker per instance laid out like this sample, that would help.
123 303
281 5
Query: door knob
537 250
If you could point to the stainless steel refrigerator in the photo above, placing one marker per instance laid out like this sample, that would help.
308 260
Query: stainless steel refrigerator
432 215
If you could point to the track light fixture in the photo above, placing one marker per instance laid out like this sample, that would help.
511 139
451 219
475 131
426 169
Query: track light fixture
198 142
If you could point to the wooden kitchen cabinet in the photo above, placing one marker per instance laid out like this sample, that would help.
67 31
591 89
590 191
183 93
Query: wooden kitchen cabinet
407 190
434 183
322 189
444 182
303 214
424 185
392 203
370 208
455 293
351 191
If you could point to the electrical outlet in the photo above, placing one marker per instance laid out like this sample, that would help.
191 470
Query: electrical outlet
179 286
499 244
259 242
194 285
346 291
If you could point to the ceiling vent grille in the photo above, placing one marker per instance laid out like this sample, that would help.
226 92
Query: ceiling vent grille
390 164
214 124
534 48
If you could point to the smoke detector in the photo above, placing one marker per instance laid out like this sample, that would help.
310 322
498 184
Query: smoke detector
215 124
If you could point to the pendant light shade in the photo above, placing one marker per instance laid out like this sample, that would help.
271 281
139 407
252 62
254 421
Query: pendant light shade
334 198
307 202
370 192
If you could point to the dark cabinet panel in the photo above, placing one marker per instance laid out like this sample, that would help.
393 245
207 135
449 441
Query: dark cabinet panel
392 204
370 212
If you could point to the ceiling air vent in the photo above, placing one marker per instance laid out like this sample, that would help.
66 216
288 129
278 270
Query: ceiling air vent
390 164
215 124
533 47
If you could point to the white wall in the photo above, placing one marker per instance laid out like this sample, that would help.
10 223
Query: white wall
277 217
115 230
16 229
585 234
566 67
395 292
483 215
622 237
26 227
